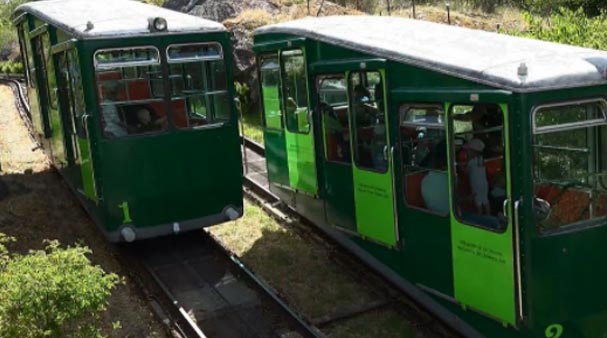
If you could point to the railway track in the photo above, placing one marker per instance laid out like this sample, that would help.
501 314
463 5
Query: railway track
394 297
196 287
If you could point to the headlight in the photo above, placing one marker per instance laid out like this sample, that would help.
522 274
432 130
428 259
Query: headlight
157 24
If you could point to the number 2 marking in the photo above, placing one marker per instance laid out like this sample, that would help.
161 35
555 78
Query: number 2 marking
554 331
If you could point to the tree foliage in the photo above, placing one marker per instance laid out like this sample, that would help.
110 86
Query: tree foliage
568 26
55 292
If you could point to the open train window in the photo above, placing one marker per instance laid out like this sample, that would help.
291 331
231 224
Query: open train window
130 91
479 180
333 107
368 122
199 87
24 51
295 90
269 72
424 156
570 170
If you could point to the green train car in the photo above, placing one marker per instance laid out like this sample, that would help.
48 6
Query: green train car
468 167
134 106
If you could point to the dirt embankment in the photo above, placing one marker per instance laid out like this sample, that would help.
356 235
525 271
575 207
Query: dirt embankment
35 204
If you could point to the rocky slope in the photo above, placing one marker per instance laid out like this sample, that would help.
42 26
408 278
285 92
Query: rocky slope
241 17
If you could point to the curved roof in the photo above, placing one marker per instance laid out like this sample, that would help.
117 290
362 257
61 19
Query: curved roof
480 56
113 17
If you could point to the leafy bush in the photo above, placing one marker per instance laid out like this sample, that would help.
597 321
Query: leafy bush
54 292
545 7
243 93
8 67
570 27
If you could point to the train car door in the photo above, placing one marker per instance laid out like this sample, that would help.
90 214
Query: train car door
299 136
71 100
482 235
334 111
274 134
57 139
372 157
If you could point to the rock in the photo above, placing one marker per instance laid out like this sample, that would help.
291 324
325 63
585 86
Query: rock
214 10
245 67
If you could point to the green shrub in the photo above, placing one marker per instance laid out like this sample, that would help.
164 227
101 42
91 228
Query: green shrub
570 27
55 292
243 93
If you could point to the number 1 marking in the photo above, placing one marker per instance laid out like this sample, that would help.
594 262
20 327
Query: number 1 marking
126 213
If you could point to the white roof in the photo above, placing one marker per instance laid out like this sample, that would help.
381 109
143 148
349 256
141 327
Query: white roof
113 17
480 56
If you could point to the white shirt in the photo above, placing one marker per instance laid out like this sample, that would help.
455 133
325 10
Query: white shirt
112 120
478 180
435 191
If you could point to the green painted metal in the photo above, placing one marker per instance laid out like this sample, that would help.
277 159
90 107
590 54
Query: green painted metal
271 104
301 162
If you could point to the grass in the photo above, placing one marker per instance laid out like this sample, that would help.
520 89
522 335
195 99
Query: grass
506 18
306 277
252 127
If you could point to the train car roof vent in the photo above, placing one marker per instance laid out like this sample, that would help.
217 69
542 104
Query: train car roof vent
522 71
89 26
157 24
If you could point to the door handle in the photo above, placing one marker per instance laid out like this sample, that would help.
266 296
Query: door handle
85 118
505 207
386 152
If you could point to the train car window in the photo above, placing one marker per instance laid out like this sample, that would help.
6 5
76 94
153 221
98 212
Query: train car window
479 177
24 52
424 157
199 87
295 90
569 171
269 71
30 60
196 52
76 92
130 91
51 80
368 122
333 107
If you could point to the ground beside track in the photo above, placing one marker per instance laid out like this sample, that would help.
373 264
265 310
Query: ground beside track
35 205
308 278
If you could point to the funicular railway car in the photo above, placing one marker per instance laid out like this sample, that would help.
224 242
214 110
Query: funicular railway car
133 104
469 167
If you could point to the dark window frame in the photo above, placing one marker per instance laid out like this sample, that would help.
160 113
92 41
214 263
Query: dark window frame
453 162
284 98
583 224
335 75
275 55
352 121
404 166
119 66
209 95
